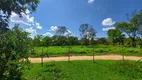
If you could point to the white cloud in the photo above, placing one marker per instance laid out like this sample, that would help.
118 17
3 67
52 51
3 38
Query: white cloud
106 29
31 31
27 11
53 28
48 34
108 22
68 33
90 1
38 26
25 19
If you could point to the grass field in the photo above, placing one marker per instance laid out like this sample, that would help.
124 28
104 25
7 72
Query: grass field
79 50
85 70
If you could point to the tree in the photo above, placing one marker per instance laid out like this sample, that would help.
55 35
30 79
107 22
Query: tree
37 40
83 30
115 36
91 33
61 30
102 40
17 6
58 40
14 44
46 41
73 40
133 28
86 32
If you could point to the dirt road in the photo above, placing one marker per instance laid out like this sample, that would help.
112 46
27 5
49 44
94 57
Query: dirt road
102 57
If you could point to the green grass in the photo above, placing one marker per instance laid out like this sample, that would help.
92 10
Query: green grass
79 50
85 70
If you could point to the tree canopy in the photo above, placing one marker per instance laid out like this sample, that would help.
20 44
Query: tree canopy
87 32
133 28
17 6
14 43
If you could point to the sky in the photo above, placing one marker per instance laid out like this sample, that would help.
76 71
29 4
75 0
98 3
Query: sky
101 14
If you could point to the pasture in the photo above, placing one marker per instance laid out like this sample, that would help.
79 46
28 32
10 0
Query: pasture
54 51
85 70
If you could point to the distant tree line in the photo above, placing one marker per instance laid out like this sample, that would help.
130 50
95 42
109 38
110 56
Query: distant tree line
87 33
128 34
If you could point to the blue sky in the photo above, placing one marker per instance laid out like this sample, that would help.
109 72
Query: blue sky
101 14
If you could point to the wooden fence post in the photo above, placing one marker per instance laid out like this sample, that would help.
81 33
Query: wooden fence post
93 55
47 53
122 53
42 58
69 54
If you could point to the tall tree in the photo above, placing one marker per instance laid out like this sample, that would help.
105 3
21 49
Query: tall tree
91 33
133 28
61 30
83 30
111 36
115 36
86 32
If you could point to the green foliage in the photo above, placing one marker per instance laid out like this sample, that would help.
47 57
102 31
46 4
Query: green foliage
72 40
14 45
83 50
115 36
46 41
86 70
37 40
87 33
17 6
132 28
102 40
56 40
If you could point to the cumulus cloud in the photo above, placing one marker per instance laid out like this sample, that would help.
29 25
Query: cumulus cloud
25 19
108 28
108 22
38 26
90 1
48 34
53 28
31 31
68 33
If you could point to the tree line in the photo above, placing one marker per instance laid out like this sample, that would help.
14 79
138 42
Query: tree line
127 33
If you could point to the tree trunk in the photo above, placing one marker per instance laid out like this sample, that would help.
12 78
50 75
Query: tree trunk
133 42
